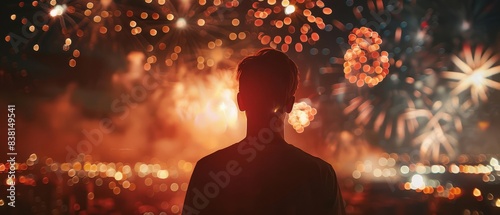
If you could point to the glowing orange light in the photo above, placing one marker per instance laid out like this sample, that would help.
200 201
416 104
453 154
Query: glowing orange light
58 10
298 47
476 192
289 9
301 116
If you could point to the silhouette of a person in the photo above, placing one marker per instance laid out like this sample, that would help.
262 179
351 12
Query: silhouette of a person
263 174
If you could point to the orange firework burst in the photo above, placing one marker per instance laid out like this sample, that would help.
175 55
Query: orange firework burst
364 62
301 116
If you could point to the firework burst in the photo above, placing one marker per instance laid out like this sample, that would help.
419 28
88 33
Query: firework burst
476 69
434 136
364 62
196 25
287 25
301 116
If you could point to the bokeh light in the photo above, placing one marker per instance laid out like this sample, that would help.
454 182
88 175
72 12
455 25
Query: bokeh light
58 10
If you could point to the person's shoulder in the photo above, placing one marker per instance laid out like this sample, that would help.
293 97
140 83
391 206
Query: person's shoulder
311 159
304 155
218 155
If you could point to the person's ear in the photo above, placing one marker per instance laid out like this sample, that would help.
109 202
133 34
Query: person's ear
289 104
241 103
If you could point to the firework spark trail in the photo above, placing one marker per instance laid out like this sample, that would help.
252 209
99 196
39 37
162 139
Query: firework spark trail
438 121
434 136
389 115
474 73
384 115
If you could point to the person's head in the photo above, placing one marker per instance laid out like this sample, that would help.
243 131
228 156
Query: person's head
267 83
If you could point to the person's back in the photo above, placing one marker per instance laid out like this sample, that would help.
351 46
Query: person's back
262 174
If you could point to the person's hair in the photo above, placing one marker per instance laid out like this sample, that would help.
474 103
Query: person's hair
268 76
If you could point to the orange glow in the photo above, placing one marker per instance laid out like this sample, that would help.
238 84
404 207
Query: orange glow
483 125
303 38
315 36
307 12
476 192
287 21
440 189
298 47
301 116
456 190
284 48
451 196
258 22
407 186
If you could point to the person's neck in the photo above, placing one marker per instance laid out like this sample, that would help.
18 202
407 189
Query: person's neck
265 125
